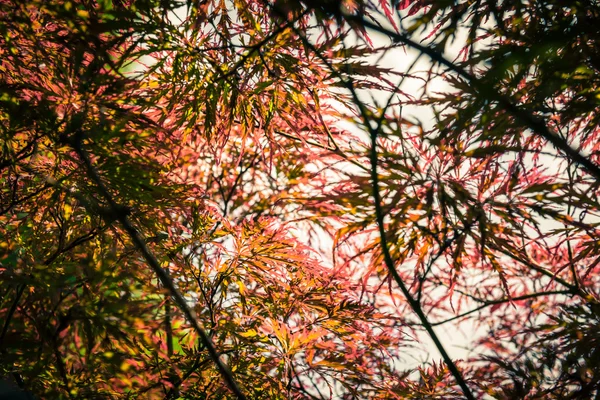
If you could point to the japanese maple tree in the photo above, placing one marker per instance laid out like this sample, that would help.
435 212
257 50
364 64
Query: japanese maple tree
239 199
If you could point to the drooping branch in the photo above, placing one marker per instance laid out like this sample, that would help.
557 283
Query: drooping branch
531 121
389 262
152 261
379 215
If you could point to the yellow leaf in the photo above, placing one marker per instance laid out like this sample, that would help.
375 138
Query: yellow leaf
125 366
249 333
68 210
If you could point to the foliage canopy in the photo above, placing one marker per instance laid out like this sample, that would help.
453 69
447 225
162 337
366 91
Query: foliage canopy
238 199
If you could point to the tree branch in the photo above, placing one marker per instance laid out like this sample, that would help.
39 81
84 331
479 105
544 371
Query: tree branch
389 262
13 307
530 120
414 305
164 278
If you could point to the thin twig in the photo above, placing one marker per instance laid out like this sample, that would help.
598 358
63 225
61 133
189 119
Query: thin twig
501 301
335 150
